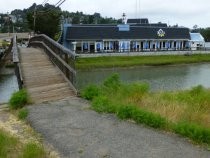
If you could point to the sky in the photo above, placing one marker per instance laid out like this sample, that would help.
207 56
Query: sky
182 12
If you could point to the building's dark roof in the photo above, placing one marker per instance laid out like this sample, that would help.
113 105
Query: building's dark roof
151 25
135 32
138 21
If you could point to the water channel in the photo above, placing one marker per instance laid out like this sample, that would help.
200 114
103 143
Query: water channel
8 84
176 77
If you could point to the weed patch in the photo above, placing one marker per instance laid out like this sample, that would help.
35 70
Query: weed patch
32 150
22 114
90 92
112 82
102 104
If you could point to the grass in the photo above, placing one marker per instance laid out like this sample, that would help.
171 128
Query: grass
184 112
32 150
19 99
12 147
22 114
107 62
8 145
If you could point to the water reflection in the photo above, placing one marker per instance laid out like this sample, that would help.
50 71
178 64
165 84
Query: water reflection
159 78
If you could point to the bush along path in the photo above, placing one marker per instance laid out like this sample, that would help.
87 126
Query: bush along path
185 112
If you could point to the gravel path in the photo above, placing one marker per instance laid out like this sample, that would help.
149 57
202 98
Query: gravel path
78 132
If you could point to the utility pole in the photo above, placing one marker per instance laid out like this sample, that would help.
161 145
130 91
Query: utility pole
34 20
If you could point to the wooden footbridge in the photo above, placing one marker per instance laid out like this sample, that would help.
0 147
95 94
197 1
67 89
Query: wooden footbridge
45 69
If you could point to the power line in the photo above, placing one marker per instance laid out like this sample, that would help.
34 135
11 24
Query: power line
45 1
59 3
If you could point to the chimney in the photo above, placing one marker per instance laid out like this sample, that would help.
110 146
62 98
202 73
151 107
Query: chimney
124 18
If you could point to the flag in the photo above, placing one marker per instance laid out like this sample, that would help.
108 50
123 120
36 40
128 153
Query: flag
85 45
111 45
158 45
134 45
98 45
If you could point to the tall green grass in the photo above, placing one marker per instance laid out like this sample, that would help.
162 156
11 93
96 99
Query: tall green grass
8 145
32 150
184 112
107 62
12 147
195 132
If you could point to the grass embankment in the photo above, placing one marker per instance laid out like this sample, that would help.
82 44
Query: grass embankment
184 112
107 62
12 147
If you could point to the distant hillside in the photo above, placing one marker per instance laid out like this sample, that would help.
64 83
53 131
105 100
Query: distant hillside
17 19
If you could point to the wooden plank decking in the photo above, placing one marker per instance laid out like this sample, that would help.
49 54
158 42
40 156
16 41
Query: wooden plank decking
42 79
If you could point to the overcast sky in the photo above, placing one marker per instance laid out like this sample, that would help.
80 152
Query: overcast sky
182 12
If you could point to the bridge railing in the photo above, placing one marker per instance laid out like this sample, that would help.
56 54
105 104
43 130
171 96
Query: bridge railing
63 58
16 61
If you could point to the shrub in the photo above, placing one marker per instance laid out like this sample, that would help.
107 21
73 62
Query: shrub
141 116
149 118
90 92
126 112
193 131
102 104
136 91
18 99
112 82
196 91
22 114
140 88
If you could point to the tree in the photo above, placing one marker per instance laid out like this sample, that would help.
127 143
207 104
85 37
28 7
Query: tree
195 27
206 34
47 20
